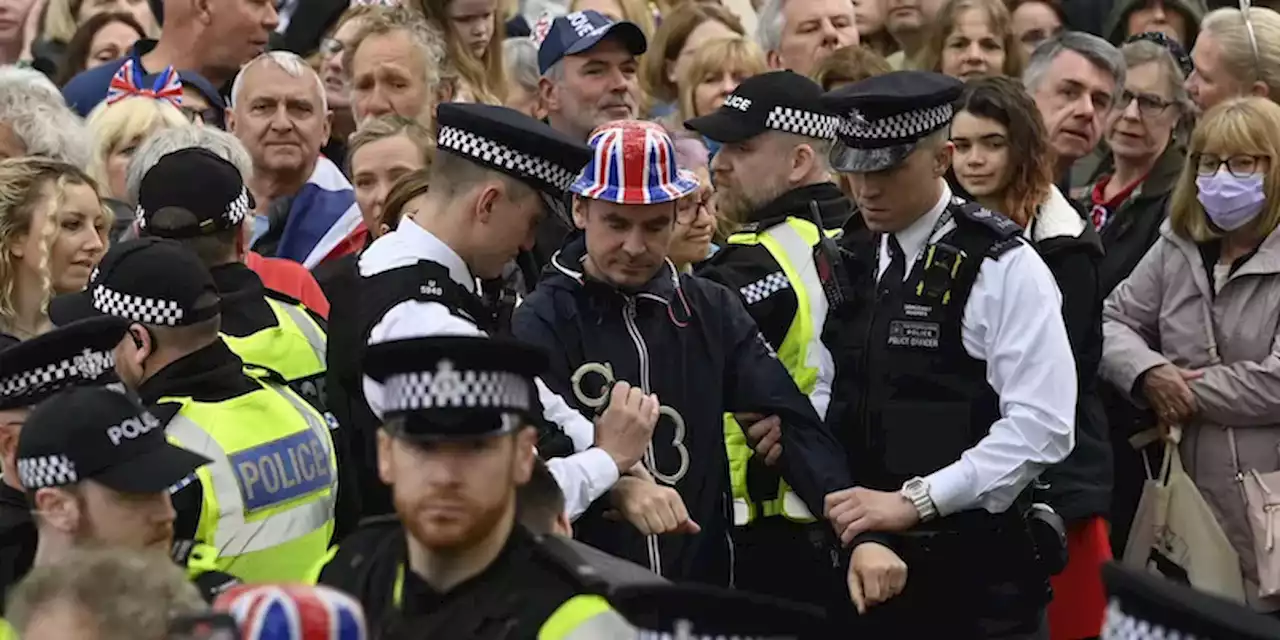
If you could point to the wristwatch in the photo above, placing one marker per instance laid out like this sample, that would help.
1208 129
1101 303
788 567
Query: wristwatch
917 491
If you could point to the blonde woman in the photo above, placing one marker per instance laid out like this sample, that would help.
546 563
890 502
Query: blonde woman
53 232
1192 332
473 34
971 39
682 33
117 130
717 68
1236 57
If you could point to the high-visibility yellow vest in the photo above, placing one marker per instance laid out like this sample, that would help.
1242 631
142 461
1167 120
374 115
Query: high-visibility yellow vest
268 496
791 244
6 631
295 348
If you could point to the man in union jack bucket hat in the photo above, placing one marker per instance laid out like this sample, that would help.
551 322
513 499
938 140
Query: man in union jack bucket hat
632 174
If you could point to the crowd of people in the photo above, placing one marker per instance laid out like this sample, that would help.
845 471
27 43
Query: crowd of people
622 319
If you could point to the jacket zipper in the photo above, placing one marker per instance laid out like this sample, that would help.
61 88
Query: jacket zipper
642 351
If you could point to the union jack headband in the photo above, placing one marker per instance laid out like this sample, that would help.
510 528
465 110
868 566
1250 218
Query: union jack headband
128 82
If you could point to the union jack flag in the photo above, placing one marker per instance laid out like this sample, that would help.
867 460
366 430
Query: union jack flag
128 82
293 612
633 162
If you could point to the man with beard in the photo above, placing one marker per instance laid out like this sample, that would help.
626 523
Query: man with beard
81 355
615 309
454 561
772 176
98 471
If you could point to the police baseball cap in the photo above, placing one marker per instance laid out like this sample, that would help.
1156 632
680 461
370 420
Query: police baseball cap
779 101
581 30
192 192
100 434
883 118
151 281
452 387
81 353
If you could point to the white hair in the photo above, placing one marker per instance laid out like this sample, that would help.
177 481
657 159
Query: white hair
521 58
33 108
167 141
770 24
287 61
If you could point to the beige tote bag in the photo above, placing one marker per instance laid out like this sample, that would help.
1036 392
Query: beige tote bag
1176 535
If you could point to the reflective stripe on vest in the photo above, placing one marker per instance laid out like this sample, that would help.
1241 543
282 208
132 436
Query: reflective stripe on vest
295 348
585 617
269 494
790 243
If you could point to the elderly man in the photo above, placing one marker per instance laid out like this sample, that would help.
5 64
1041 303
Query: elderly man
394 66
798 34
34 121
1075 79
212 39
305 206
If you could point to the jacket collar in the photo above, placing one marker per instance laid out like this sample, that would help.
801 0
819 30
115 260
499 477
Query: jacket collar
569 261
212 371
834 208
236 279
1264 261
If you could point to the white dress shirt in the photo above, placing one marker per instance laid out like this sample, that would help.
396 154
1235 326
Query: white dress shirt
583 476
1013 322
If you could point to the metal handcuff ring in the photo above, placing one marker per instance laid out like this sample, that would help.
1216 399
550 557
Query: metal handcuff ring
605 370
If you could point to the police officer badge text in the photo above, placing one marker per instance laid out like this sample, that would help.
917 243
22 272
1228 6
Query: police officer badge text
922 327
282 470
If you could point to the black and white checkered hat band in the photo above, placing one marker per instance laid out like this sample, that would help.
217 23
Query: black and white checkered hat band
236 211
165 313
803 123
88 365
1122 626
505 158
449 388
896 129
46 471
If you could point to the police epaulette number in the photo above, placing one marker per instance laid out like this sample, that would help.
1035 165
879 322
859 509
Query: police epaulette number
1003 226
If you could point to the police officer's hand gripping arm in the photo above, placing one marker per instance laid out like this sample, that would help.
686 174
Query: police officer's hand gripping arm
1013 321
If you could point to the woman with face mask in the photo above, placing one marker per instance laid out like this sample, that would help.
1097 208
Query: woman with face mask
1193 330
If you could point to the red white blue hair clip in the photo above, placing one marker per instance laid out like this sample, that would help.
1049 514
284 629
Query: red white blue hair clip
128 82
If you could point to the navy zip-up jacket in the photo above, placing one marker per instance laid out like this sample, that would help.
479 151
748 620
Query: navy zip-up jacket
690 341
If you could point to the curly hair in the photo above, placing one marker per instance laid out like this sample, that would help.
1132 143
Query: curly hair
1030 159
22 198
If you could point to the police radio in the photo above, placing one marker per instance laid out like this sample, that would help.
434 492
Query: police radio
828 262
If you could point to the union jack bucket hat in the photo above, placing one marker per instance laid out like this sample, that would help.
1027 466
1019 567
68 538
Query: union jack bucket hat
293 612
633 162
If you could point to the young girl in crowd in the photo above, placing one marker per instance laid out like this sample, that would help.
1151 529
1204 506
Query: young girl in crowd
53 232
682 33
971 39
473 34
1002 159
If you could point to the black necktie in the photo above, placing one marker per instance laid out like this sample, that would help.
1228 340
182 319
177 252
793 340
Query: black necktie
891 279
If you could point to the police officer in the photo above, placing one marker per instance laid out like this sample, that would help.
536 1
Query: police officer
31 371
454 448
98 471
266 503
195 197
771 174
955 382
495 173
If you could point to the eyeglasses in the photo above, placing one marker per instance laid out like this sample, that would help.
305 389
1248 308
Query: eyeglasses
331 46
1149 106
1240 166
211 116
1245 5
687 208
